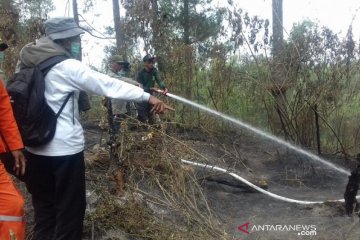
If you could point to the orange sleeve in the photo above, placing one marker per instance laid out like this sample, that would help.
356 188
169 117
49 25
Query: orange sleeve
8 127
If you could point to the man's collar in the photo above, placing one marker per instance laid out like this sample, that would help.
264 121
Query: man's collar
152 69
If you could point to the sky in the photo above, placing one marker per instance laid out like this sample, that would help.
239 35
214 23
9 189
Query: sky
335 14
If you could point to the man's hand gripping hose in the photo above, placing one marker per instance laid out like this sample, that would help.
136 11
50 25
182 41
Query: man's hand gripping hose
157 105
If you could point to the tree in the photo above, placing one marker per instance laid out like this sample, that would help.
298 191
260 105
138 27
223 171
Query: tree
76 18
186 22
278 36
119 39
277 74
21 23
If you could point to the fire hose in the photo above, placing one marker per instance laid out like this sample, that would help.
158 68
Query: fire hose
350 199
270 194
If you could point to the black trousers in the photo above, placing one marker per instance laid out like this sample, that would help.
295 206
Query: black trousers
143 111
57 186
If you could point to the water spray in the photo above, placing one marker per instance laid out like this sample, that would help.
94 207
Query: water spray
256 130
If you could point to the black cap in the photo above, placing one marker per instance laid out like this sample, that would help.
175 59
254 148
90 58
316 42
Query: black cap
148 57
3 46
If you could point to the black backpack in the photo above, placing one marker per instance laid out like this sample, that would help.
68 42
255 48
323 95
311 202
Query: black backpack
35 119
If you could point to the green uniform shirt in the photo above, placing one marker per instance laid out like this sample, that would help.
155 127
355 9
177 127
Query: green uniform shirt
148 79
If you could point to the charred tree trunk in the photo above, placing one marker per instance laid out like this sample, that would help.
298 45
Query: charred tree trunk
278 36
84 101
317 129
186 22
277 74
76 18
156 37
117 25
188 58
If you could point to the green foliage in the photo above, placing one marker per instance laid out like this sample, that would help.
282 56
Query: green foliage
37 9
204 21
21 23
320 70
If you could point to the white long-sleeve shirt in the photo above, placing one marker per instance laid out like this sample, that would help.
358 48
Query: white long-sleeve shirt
119 106
73 76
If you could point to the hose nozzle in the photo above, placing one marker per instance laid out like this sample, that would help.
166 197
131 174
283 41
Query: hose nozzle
158 90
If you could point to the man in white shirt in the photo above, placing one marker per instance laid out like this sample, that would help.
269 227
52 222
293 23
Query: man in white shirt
56 170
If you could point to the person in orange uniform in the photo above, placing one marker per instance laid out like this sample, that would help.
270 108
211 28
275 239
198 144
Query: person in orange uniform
12 225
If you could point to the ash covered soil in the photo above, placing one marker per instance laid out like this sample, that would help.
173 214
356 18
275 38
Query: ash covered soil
287 174
264 163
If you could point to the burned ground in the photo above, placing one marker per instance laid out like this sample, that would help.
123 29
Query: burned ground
164 199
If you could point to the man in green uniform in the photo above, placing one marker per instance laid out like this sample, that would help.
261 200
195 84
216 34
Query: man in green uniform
118 68
147 78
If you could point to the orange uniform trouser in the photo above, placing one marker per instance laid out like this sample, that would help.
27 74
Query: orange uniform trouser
11 208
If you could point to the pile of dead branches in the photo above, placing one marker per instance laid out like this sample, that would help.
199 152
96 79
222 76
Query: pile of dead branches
147 193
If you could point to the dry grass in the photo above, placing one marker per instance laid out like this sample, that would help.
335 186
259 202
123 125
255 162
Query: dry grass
161 199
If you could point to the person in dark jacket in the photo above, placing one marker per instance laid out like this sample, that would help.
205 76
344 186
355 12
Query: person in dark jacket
147 78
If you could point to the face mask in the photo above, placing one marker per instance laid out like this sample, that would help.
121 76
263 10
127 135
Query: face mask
1 57
75 49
